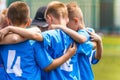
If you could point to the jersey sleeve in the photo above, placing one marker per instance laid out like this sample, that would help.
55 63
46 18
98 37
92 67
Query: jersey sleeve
85 48
93 60
84 33
52 39
90 29
48 37
41 55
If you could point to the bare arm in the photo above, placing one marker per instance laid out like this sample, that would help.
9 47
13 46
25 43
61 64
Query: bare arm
15 38
59 61
99 50
99 47
28 34
12 39
77 37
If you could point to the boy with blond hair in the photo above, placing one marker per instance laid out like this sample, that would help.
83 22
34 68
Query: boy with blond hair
16 64
55 14
55 42
19 64
76 23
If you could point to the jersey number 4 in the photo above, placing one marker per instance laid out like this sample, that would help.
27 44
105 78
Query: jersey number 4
13 64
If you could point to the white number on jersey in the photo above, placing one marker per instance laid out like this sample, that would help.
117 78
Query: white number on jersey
67 66
16 67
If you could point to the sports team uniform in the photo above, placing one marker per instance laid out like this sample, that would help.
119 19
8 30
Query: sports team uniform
85 59
20 61
2 70
56 43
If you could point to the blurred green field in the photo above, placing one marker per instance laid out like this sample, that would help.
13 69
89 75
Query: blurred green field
109 66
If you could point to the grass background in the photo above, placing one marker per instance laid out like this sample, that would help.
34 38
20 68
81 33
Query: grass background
109 66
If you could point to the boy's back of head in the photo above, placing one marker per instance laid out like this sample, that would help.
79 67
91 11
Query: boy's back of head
18 13
74 11
57 9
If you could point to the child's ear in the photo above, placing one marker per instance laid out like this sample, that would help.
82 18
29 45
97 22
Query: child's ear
49 19
76 20
29 22
8 21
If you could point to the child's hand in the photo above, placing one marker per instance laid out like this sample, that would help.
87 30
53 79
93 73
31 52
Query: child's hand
72 49
4 32
95 37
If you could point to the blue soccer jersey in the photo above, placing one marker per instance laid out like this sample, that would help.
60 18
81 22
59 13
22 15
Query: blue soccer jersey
3 75
84 58
56 43
92 58
1 63
43 59
20 61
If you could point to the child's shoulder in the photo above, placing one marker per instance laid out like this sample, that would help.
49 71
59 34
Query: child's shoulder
52 32
83 32
86 29
90 29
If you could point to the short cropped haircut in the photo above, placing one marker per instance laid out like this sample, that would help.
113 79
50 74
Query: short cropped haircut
57 9
18 13
74 11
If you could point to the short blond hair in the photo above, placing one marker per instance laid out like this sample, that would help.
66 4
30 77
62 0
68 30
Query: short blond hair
18 13
74 11
57 9
3 18
3 15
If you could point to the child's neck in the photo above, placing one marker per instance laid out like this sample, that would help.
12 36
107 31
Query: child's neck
81 26
62 22
21 26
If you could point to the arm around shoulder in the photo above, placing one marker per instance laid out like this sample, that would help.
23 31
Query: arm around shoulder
73 34
12 39
26 33
59 61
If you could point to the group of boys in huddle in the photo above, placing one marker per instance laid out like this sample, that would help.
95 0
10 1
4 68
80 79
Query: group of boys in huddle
58 46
